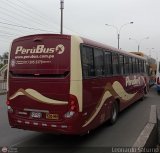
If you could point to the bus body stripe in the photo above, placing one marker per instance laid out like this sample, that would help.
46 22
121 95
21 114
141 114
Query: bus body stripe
115 90
76 70
35 95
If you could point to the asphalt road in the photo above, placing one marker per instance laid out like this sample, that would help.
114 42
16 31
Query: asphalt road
123 134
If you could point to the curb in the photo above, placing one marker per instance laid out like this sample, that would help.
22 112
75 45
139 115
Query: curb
149 135
158 123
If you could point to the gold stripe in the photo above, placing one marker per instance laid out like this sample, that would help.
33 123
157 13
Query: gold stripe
117 91
76 70
33 94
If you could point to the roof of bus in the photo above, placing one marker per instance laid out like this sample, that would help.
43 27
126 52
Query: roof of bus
39 35
85 41
107 47
138 53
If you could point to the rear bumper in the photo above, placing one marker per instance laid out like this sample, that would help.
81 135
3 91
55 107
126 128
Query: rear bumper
49 127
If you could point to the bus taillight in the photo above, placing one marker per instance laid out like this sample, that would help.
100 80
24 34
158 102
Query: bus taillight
10 110
7 102
73 103
72 106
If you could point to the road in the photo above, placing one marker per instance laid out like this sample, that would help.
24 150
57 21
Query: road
123 134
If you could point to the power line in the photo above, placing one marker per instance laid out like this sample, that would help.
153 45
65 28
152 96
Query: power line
10 28
35 11
11 16
27 13
31 9
20 26
4 32
21 16
7 21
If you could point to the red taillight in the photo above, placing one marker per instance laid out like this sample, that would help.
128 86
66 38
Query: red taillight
73 107
158 81
73 103
7 102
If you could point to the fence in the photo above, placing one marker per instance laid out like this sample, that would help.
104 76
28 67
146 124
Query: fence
3 86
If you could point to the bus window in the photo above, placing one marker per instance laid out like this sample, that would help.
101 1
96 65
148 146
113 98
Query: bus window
115 63
87 62
126 65
141 66
145 67
121 64
130 65
134 65
108 63
99 62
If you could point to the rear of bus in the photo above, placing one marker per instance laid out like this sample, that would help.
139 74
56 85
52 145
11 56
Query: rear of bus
40 96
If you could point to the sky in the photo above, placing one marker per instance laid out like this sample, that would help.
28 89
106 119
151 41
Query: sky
87 18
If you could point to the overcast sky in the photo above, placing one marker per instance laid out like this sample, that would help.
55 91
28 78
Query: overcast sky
86 18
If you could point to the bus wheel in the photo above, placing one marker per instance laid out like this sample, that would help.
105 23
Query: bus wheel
142 98
114 113
145 90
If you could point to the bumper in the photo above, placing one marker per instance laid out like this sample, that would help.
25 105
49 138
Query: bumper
43 126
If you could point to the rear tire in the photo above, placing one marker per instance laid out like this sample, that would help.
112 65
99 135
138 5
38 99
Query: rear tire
142 98
114 113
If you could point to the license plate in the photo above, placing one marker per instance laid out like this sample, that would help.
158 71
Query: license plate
52 116
36 114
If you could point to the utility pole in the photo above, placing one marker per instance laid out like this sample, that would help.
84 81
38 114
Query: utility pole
61 7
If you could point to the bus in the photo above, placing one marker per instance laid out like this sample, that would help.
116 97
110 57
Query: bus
151 67
152 73
158 77
69 84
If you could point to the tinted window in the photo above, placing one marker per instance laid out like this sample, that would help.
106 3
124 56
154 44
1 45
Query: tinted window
134 66
99 62
126 65
87 61
108 63
145 67
115 63
121 64
141 66
130 65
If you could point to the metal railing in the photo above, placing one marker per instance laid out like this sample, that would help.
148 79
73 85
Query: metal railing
3 86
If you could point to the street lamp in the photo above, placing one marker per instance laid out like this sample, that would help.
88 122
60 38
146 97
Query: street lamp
61 8
138 42
119 30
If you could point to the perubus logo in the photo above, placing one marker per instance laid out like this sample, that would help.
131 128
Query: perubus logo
134 81
40 49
